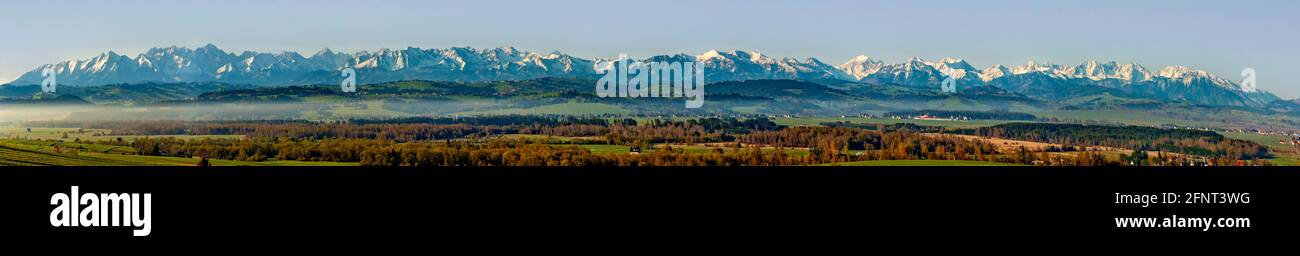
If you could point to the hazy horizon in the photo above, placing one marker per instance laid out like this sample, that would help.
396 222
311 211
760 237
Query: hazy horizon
1220 37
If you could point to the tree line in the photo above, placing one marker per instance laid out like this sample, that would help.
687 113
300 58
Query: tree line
792 146
434 142
1182 141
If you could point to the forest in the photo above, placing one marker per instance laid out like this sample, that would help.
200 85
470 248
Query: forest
572 141
819 144
1183 141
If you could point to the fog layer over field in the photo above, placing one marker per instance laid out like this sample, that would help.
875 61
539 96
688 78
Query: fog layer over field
235 111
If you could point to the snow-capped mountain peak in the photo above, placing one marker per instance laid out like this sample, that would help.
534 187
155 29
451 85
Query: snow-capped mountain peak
711 54
1187 76
994 72
860 59
861 66
955 67
210 63
750 65
1095 70
1035 66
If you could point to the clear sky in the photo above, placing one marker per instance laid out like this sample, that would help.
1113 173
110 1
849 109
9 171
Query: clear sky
1221 36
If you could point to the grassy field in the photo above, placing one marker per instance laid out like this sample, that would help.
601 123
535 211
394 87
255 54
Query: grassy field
65 146
537 137
920 163
1283 154
1263 139
14 156
746 109
74 134
1125 117
43 153
41 133
609 149
183 137
531 136
709 149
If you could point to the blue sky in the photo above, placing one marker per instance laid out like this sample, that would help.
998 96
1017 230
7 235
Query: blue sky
1220 36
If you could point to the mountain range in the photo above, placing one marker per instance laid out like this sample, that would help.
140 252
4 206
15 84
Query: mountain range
1044 81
